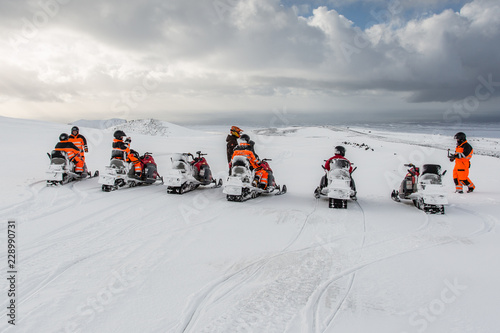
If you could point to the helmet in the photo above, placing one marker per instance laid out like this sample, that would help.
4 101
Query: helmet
460 137
75 128
119 134
63 137
245 137
235 130
339 150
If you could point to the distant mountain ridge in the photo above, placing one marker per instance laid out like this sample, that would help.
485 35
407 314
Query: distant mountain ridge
153 127
99 124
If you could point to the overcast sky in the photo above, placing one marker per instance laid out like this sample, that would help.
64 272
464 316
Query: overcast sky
255 60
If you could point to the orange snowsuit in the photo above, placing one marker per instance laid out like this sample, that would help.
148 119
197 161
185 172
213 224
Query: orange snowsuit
81 143
244 149
463 154
120 149
73 154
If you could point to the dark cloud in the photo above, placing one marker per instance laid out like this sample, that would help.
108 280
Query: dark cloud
235 53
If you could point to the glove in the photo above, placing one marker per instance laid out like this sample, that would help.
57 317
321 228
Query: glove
86 149
128 140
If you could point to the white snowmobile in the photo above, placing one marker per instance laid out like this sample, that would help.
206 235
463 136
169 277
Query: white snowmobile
338 188
242 184
427 191
62 171
189 172
120 173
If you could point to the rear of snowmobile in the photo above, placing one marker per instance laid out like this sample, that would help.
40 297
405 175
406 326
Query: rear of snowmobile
426 192
339 188
242 184
61 169
120 173
184 177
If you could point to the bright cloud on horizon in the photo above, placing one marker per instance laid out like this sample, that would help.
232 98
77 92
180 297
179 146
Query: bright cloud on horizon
66 60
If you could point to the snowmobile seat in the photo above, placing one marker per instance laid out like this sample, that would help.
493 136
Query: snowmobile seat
58 157
431 169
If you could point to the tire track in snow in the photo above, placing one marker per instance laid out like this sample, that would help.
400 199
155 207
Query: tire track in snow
414 242
209 295
324 289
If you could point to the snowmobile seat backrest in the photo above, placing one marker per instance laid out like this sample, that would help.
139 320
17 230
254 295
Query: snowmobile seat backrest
431 169
240 161
116 154
338 163
58 157
179 157
117 163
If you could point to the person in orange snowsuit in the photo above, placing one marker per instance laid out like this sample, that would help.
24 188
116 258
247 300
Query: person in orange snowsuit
79 140
72 151
121 151
245 149
462 156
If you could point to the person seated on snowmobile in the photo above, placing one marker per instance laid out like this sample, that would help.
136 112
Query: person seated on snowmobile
339 154
245 148
232 142
72 151
121 151
79 140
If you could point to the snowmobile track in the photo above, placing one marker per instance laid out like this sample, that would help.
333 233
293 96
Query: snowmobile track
209 297
416 244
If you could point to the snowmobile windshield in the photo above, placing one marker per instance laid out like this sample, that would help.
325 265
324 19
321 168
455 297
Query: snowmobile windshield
339 164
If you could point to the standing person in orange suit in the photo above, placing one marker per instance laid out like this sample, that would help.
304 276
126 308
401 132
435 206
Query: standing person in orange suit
80 142
462 156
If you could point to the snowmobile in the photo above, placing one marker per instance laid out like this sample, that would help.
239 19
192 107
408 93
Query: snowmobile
119 173
426 192
189 172
243 184
339 188
62 170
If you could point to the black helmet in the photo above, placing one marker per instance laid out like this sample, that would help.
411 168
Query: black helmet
119 134
75 128
245 137
460 137
63 137
339 150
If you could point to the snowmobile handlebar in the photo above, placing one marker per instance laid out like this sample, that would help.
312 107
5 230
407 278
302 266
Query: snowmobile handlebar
199 153
266 159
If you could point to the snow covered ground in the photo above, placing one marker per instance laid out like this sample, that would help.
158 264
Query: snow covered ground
141 260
